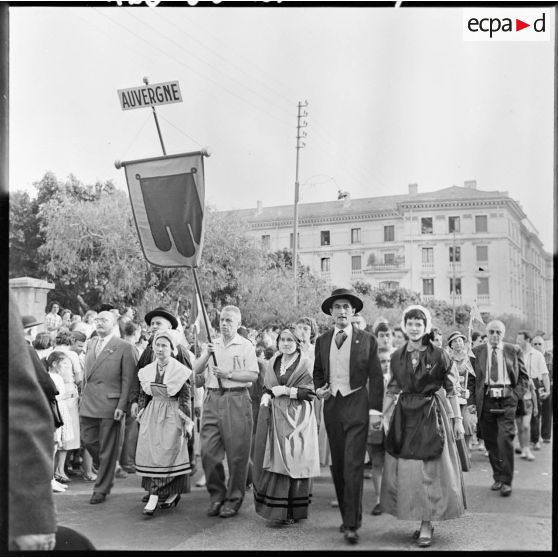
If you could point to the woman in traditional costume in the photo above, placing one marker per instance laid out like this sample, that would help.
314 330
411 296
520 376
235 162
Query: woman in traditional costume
463 370
422 473
286 450
165 425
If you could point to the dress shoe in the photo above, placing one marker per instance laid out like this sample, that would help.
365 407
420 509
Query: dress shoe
496 486
506 490
148 512
351 536
97 498
130 469
518 451
166 504
214 509
377 510
227 512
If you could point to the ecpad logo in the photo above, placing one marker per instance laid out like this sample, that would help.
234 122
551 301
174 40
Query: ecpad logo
483 24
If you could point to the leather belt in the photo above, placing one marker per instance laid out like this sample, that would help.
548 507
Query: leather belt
228 389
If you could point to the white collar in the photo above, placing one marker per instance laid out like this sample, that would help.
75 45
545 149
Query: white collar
106 339
347 329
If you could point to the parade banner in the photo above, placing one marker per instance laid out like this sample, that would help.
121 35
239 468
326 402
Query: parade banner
167 195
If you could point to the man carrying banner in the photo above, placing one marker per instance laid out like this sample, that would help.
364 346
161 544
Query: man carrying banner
226 428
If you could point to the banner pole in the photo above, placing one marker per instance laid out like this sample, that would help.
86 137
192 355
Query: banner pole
204 314
146 81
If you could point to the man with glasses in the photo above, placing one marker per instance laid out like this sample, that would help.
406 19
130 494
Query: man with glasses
346 359
501 380
546 398
538 372
110 367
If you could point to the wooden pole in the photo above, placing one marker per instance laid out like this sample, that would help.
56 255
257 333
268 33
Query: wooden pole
204 313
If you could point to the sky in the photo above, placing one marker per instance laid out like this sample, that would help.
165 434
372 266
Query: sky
395 96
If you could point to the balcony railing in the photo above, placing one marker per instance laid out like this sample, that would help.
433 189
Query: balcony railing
482 267
454 267
378 268
483 299
428 267
356 272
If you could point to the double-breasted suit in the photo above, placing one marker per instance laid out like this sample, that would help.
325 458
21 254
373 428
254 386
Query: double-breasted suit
498 428
108 379
346 418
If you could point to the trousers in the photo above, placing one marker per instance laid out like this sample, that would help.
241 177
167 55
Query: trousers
102 440
226 431
346 421
498 431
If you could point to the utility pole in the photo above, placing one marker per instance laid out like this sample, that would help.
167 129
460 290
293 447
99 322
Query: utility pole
299 145
454 263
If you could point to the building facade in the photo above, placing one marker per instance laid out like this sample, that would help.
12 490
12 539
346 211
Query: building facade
458 244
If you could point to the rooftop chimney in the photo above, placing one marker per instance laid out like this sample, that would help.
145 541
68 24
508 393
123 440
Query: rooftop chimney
413 189
259 207
472 184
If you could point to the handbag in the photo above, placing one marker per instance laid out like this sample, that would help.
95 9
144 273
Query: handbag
55 410
416 430
463 453
520 410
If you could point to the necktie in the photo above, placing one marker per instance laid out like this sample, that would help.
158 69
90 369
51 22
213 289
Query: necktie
98 347
340 338
494 366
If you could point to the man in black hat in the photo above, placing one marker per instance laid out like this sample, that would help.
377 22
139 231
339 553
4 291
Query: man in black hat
161 319
346 359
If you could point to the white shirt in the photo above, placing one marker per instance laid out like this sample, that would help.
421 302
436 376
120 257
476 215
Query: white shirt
339 363
238 354
503 377
102 343
535 363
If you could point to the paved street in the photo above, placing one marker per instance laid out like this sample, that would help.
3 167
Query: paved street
521 522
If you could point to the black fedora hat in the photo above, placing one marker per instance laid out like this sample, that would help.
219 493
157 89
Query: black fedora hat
163 313
29 321
342 293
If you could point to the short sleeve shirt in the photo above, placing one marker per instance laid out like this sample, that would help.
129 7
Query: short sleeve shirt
238 354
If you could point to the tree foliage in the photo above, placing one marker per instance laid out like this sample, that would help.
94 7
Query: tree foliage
394 298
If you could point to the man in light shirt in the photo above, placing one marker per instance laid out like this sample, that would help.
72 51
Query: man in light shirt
500 381
538 372
226 428
346 359
546 411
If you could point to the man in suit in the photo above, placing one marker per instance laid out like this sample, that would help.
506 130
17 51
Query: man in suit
346 359
501 381
110 366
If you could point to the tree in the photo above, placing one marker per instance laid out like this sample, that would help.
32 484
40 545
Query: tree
394 298
24 237
362 287
92 249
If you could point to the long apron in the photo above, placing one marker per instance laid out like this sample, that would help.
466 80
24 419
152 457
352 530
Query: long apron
162 449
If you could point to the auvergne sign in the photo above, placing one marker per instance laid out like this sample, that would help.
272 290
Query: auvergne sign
150 95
